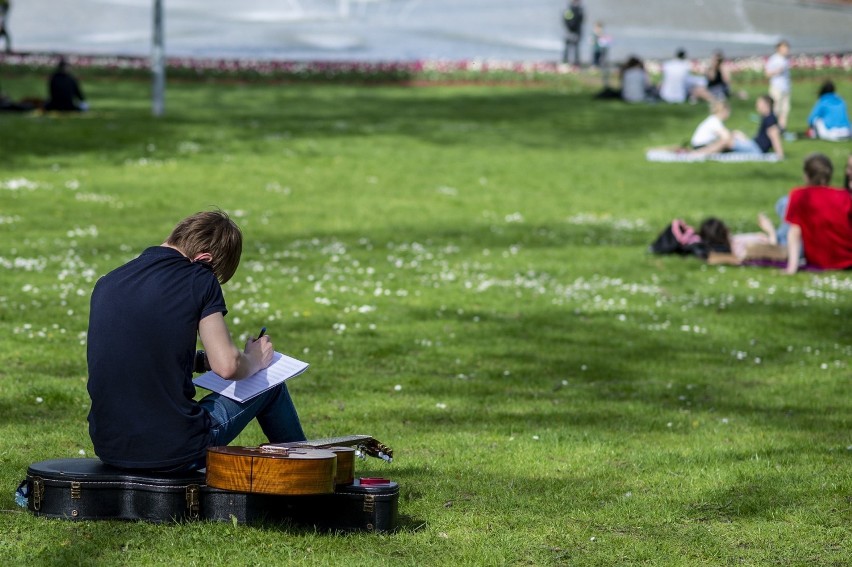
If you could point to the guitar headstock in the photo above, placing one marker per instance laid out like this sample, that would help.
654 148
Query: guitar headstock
375 448
365 445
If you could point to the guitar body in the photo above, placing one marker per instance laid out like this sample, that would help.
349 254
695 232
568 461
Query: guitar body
272 470
345 465
346 448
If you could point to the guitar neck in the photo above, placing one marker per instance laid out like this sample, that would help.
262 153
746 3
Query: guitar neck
364 443
344 441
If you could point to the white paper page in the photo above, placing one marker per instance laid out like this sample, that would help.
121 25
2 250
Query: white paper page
282 368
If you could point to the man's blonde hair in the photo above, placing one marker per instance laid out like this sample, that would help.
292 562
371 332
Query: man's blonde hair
717 106
214 233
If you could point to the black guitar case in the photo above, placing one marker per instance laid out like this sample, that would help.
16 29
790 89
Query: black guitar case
350 508
87 489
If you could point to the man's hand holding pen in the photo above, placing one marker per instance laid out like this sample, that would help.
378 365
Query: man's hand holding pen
260 350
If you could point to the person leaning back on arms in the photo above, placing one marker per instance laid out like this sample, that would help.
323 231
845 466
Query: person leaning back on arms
820 218
144 322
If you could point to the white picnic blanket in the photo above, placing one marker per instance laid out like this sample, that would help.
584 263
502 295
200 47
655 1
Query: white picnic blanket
690 157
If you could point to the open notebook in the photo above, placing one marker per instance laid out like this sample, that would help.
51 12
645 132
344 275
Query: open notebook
282 368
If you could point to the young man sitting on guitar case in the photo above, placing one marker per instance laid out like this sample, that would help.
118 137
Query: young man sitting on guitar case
144 321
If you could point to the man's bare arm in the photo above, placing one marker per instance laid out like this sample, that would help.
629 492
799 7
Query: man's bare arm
774 134
794 248
223 356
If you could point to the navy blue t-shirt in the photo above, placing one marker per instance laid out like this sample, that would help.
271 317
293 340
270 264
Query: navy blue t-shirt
762 137
143 327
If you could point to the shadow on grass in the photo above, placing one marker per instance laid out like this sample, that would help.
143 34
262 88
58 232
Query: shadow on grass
618 378
759 495
620 375
120 126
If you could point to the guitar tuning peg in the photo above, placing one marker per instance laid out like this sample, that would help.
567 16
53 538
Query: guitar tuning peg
384 457
360 454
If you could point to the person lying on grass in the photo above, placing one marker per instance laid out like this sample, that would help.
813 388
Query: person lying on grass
714 242
713 137
727 248
820 219
144 321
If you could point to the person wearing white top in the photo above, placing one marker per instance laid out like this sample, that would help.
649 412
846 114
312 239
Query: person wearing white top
711 135
777 70
678 83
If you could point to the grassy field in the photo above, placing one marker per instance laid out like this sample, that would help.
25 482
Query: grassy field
466 270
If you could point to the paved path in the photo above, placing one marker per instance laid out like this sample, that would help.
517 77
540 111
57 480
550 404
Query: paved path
417 29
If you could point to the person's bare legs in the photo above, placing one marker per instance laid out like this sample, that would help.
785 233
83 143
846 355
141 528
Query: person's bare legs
720 145
701 93
767 227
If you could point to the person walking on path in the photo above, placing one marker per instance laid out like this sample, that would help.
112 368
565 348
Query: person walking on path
573 17
777 70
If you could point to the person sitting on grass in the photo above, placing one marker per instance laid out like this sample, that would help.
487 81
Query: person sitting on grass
847 182
144 321
679 84
781 210
829 119
820 219
719 77
9 105
635 84
769 136
64 91
712 136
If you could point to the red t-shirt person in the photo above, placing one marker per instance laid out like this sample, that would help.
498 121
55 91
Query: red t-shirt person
825 218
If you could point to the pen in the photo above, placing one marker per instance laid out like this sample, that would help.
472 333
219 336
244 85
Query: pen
262 332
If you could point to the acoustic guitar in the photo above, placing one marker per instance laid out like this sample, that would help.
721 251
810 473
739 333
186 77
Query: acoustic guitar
296 468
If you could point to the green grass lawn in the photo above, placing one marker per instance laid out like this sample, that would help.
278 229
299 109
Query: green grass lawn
466 270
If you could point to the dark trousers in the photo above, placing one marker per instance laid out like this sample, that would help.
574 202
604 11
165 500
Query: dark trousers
572 42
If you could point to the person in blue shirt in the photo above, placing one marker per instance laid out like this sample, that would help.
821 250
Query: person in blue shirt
829 119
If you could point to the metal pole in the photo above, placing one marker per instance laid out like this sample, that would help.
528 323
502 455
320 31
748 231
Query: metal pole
158 63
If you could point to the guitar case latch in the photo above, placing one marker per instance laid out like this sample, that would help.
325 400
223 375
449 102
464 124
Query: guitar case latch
193 500
38 492
369 503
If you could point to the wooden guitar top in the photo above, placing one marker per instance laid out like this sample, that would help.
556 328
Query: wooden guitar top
272 470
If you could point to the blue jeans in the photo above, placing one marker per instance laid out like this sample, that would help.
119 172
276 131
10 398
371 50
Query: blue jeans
273 409
784 227
746 147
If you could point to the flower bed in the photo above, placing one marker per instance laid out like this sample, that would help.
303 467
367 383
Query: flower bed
428 71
